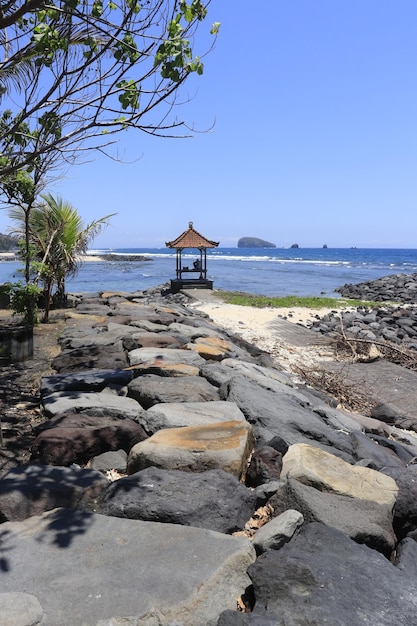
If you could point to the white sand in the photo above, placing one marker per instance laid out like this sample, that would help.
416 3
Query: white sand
257 327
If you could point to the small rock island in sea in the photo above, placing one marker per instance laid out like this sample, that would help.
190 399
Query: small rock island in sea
254 242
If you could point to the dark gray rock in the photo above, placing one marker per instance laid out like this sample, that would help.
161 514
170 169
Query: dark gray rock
214 499
91 403
98 357
361 520
151 389
99 570
278 410
265 466
113 460
406 558
69 443
405 510
323 577
379 455
33 489
90 380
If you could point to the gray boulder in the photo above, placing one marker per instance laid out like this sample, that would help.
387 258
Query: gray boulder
91 403
33 489
323 577
405 511
20 609
90 380
278 531
151 389
77 440
276 409
214 499
96 570
361 520
98 357
176 414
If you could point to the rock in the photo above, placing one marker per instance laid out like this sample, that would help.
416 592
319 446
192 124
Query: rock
63 445
108 357
98 404
406 560
278 531
171 370
225 446
112 460
379 455
166 573
177 414
275 409
90 380
322 577
361 520
265 466
214 499
20 609
158 356
405 511
155 340
33 489
254 242
150 389
326 472
192 332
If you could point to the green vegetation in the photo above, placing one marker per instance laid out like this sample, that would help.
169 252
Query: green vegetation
7 242
76 73
248 299
57 238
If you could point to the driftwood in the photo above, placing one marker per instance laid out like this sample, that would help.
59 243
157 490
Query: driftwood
348 396
353 349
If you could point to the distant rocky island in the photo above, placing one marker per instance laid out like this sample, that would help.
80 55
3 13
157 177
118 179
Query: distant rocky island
254 242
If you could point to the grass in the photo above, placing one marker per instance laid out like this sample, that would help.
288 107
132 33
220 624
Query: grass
248 299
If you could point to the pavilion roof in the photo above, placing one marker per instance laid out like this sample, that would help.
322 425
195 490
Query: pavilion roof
191 238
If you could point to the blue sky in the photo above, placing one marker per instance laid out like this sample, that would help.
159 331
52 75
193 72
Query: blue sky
314 106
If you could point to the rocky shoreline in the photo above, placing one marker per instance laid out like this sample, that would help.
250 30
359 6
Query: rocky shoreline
179 476
391 322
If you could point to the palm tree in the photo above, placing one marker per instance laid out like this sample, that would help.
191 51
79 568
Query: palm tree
60 238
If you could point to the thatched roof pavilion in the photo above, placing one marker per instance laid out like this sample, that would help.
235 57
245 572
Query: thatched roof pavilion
196 276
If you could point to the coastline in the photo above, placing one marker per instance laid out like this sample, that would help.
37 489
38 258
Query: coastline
256 326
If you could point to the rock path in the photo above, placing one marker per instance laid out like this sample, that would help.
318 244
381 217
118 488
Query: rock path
163 439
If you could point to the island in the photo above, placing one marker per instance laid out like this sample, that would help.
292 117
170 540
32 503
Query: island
254 242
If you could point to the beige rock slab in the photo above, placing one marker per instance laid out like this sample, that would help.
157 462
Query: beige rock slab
326 472
225 445
209 353
166 369
215 342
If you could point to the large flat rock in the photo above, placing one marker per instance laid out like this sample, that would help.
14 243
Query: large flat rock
383 382
226 446
90 570
91 403
178 414
157 356
321 577
326 472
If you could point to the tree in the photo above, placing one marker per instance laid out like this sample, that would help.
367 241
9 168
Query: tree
59 237
75 73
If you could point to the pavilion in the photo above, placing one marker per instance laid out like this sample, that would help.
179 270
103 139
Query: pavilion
196 276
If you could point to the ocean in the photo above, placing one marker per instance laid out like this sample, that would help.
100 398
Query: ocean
271 271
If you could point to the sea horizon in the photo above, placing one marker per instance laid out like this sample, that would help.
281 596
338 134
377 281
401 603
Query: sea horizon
267 271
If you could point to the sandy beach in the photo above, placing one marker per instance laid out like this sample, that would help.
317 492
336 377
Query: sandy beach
256 326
